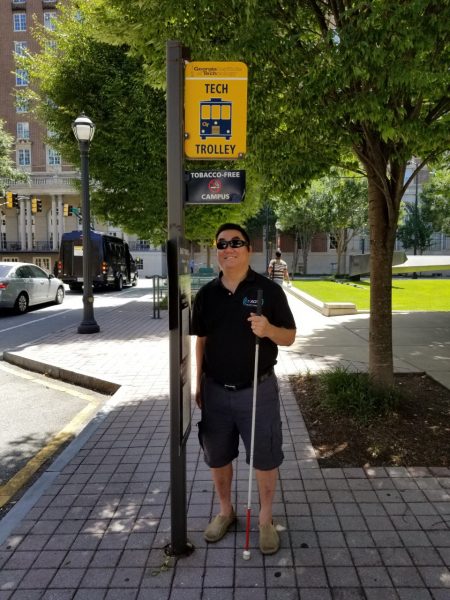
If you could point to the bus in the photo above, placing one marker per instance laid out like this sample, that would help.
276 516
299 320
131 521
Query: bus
111 262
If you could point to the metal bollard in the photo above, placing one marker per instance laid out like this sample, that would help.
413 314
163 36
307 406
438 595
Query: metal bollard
156 296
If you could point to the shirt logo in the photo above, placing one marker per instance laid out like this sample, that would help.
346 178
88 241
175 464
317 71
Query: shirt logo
251 302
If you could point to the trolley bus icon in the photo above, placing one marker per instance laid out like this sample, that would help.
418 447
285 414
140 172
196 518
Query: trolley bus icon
215 118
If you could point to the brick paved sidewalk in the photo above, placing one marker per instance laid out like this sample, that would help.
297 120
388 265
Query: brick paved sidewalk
95 525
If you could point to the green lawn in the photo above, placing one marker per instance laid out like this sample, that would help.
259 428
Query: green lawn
407 294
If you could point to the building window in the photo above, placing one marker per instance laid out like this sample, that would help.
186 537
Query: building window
23 131
19 1
53 157
446 242
21 106
333 242
143 245
20 21
43 262
435 242
50 19
20 48
21 77
24 155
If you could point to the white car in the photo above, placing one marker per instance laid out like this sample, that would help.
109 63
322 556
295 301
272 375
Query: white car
24 284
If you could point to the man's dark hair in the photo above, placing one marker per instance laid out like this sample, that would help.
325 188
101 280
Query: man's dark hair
241 230
278 254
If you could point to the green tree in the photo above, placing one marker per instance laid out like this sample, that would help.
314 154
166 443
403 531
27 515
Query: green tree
301 213
329 80
78 73
415 230
344 209
7 168
435 200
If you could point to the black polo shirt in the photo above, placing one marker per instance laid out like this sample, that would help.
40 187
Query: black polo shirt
221 317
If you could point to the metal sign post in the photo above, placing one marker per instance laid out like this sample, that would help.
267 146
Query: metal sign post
179 303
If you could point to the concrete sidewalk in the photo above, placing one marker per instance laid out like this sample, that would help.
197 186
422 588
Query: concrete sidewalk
95 524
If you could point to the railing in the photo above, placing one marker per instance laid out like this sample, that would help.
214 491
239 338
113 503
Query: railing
199 280
159 285
42 246
46 179
17 247
143 247
13 246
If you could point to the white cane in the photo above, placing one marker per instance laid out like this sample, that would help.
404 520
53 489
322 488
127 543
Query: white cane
246 553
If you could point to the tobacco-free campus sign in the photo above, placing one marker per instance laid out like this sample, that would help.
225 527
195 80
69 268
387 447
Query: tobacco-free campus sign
215 97
215 187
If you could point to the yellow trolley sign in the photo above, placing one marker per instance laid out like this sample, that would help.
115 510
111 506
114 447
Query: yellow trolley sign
215 111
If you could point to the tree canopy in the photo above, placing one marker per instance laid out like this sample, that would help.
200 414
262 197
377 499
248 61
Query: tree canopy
77 73
435 200
343 202
351 83
7 167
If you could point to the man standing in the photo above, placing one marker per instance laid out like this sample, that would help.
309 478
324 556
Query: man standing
278 270
226 323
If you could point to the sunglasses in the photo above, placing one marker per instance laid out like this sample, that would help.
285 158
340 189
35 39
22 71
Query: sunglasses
236 243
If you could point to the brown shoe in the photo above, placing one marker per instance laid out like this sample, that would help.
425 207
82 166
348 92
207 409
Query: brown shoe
218 527
269 540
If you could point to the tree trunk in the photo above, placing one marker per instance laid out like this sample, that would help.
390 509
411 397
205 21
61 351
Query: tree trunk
341 248
295 256
382 239
305 259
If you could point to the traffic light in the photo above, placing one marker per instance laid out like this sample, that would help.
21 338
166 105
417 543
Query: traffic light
68 210
36 205
12 200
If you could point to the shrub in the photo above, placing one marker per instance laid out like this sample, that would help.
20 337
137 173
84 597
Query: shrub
356 394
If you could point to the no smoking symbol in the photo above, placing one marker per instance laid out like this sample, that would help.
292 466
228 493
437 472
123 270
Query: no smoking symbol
215 185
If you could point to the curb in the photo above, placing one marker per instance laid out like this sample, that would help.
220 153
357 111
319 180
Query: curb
87 381
327 309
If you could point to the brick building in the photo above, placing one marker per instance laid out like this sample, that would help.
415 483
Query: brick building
24 234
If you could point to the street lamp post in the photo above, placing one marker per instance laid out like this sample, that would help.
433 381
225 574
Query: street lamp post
83 129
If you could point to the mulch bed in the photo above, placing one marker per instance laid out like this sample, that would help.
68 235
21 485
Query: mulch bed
417 434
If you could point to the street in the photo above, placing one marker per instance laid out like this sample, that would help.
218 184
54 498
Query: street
39 415
44 320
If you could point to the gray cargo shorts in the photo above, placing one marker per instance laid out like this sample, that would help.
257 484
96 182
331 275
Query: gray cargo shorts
227 414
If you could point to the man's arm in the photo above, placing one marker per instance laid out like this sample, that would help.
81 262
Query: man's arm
199 352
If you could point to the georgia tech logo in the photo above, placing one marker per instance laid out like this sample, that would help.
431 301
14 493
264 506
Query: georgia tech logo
250 302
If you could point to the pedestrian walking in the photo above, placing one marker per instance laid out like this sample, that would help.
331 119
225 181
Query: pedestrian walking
278 270
225 322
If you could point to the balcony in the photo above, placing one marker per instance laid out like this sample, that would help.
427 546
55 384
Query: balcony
44 183
12 246
42 246
18 4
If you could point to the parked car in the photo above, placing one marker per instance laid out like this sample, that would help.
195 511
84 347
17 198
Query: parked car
24 284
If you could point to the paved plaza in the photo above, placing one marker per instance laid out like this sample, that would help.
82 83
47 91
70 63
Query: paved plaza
95 523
